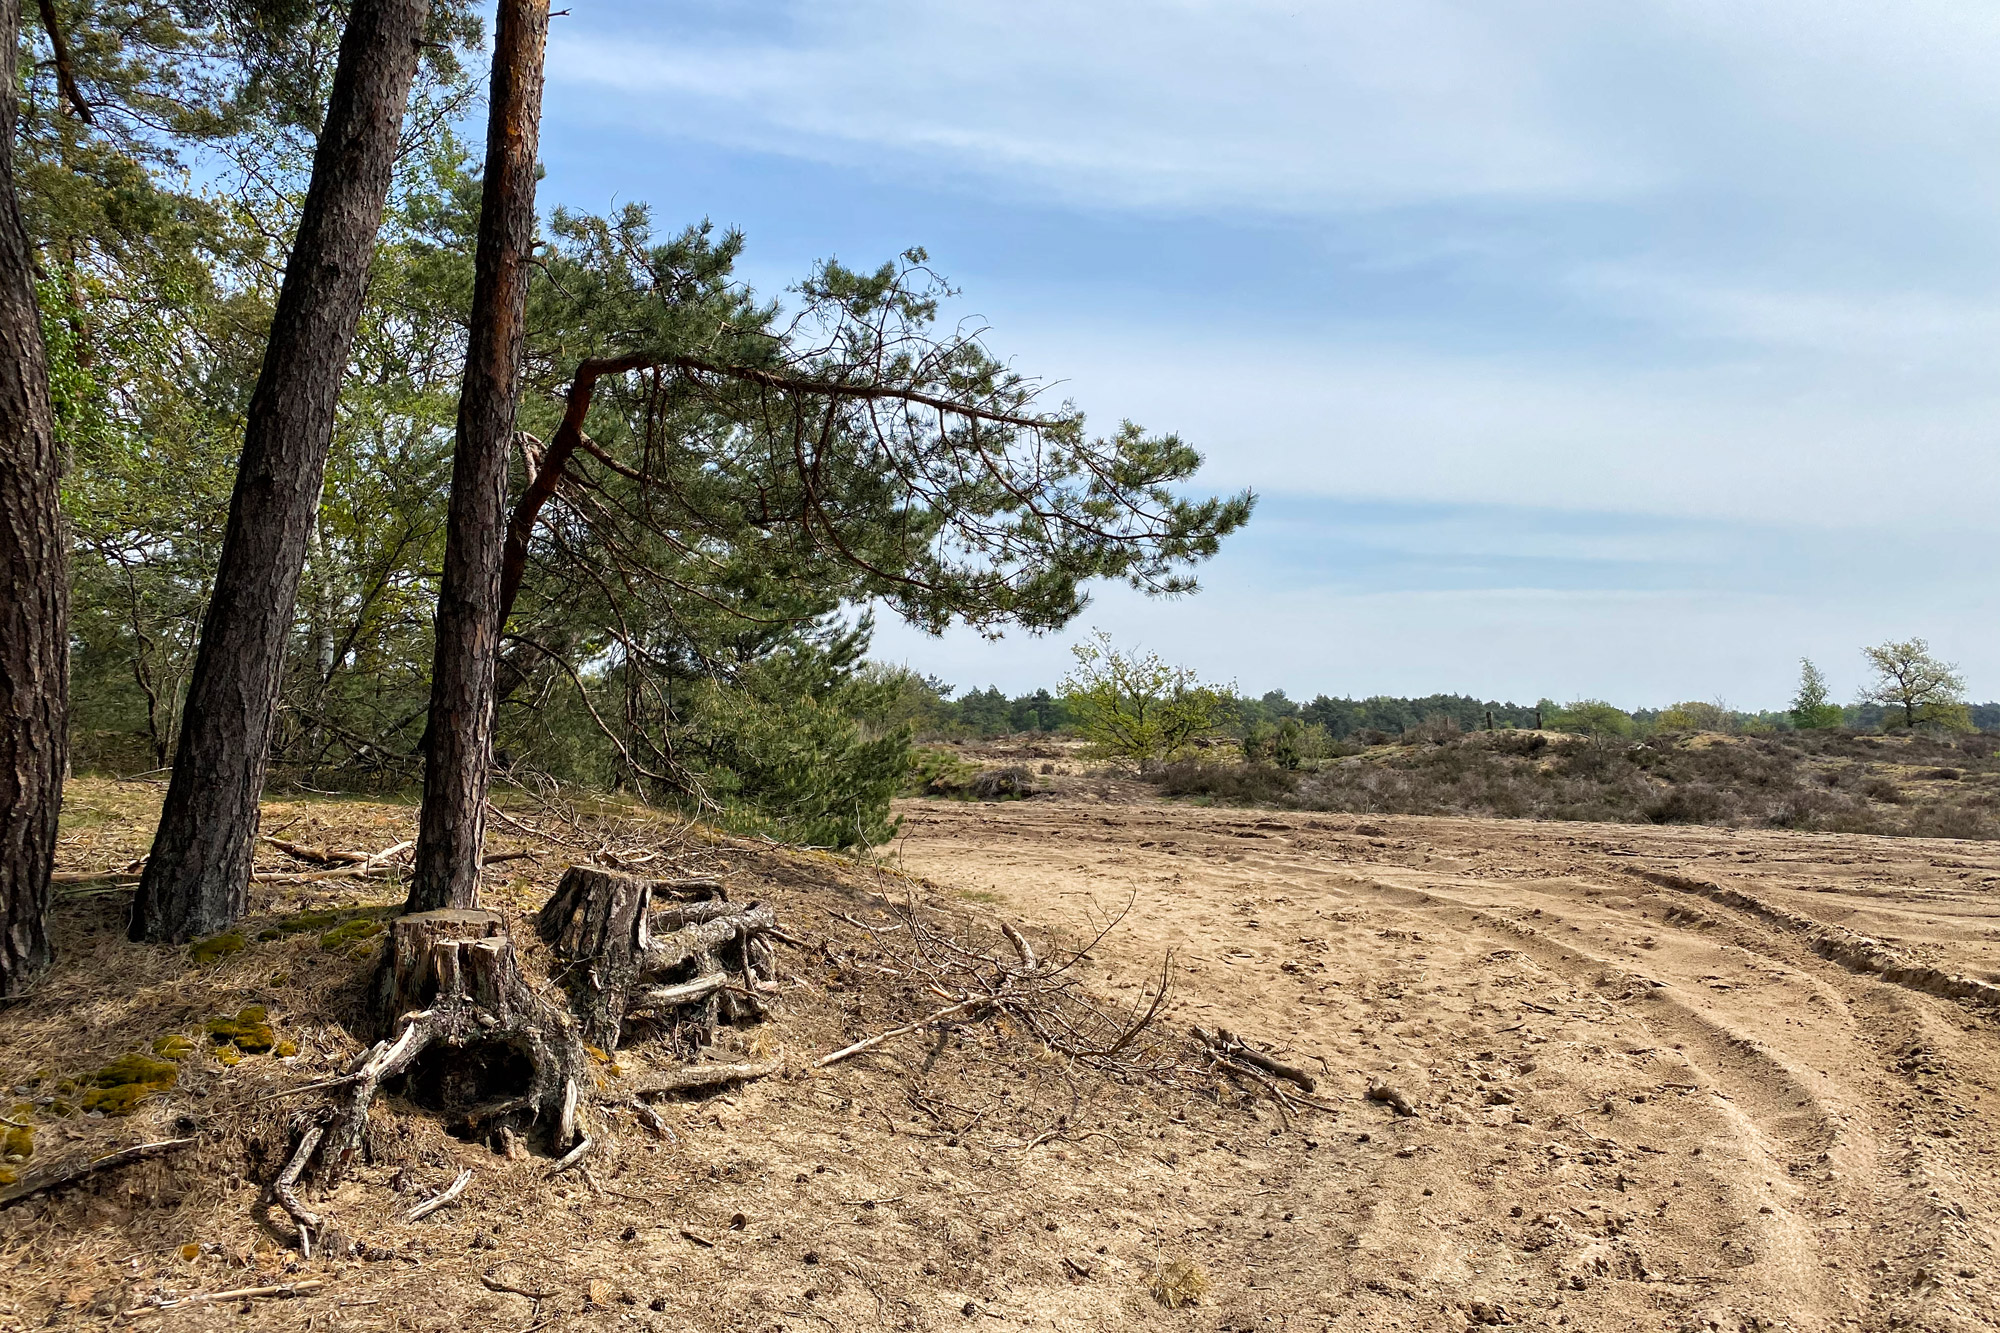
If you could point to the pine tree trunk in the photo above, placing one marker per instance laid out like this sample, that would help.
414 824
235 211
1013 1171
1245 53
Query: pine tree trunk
197 878
460 735
34 581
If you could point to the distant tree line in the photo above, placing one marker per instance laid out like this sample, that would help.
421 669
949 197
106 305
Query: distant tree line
1911 689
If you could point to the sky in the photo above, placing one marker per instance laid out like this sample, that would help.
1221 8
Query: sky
1574 350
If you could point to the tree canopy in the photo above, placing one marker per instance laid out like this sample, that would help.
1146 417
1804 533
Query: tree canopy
742 481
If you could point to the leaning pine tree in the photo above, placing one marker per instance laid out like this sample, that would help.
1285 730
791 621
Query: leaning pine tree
197 877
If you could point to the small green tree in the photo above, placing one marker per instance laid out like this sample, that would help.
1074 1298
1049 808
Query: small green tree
1812 710
1593 718
1137 709
1694 715
1930 692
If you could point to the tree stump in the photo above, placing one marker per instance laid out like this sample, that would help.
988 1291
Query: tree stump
622 955
467 1036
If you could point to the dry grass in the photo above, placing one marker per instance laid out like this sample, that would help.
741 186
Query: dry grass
1178 1284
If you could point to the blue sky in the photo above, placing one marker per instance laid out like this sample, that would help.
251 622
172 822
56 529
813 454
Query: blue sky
1575 349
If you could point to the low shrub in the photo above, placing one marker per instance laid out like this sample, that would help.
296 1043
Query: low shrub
1246 784
1821 781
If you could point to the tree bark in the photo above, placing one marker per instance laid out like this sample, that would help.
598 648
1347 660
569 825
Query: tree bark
469 618
34 580
197 878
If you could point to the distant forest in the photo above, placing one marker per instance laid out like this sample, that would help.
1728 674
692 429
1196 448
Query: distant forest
944 714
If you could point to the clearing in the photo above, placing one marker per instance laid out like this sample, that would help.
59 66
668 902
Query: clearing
1663 1078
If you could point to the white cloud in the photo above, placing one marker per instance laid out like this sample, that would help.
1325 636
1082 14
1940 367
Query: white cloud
1816 445
1249 103
1300 107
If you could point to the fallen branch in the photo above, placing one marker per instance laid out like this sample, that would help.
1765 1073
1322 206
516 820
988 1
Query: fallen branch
705 1076
573 1156
491 1283
94 877
698 989
138 1152
1227 1044
283 1291
972 1005
448 1196
284 1189
1392 1097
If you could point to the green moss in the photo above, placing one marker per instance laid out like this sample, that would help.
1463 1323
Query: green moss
349 934
60 1109
300 922
174 1046
249 1031
18 1143
7 1177
285 1048
216 947
127 1082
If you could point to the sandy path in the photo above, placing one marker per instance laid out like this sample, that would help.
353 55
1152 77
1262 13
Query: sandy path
1645 1104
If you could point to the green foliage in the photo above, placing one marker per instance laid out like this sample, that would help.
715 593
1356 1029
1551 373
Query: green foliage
1694 715
797 749
1137 709
936 771
1291 744
1593 718
248 1030
1812 708
680 633
128 1082
1921 689
1344 719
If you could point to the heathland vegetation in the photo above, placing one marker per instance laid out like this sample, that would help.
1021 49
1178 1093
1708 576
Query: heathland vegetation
1910 757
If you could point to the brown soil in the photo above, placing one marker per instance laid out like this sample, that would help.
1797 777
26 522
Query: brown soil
1712 1124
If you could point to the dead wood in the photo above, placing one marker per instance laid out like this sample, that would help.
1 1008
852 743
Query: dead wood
447 1196
281 1291
72 1175
284 1189
1392 1097
1227 1045
620 954
961 1009
464 1025
705 1076
596 919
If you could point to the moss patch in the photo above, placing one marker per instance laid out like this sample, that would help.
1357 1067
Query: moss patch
325 921
346 936
174 1046
249 1031
18 1143
216 947
127 1082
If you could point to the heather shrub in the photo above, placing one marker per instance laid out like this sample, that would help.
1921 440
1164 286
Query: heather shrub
1824 781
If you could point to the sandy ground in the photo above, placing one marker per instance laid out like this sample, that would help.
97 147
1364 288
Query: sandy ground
1657 1087
1646 1101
